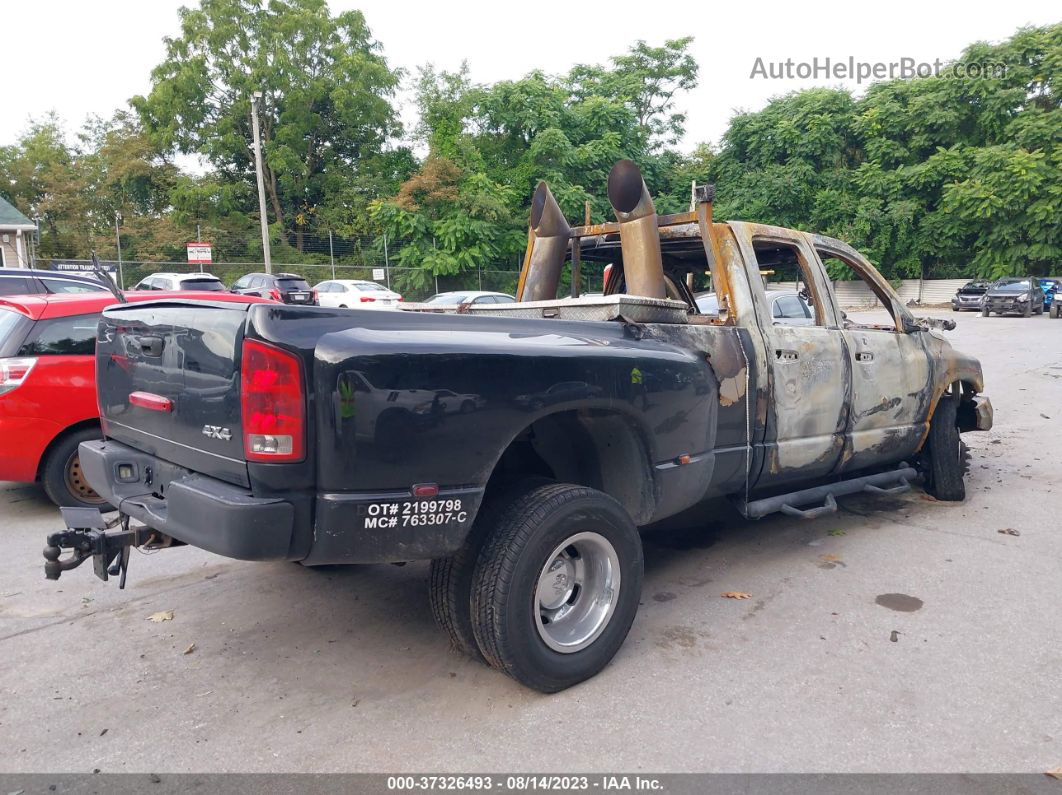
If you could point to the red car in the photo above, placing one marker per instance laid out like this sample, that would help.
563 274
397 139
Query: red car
48 386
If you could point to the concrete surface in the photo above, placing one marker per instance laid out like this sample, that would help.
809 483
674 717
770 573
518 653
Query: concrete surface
343 670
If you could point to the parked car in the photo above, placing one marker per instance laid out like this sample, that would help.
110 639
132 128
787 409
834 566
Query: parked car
470 297
788 307
1056 305
970 295
27 281
268 450
1051 286
350 293
288 288
1014 295
48 388
198 282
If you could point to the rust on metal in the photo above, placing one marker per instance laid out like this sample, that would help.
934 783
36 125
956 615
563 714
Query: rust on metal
643 264
547 246
706 227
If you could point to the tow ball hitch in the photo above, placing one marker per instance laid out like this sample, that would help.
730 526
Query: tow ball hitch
90 535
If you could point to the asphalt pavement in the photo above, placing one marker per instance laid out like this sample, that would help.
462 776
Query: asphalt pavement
900 634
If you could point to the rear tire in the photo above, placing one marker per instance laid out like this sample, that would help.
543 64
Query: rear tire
61 474
946 458
1054 311
450 579
556 586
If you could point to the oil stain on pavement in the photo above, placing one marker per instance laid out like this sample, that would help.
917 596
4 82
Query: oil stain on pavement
899 601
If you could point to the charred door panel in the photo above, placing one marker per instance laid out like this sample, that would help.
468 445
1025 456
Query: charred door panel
810 392
891 378
890 390
807 366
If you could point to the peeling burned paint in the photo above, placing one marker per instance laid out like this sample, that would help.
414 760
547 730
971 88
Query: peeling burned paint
884 405
732 389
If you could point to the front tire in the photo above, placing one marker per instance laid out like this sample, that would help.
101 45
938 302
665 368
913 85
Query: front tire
1054 311
985 312
556 586
61 474
945 455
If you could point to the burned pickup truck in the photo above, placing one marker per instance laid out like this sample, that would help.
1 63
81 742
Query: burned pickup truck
521 447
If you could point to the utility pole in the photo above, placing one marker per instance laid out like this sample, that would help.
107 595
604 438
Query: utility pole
37 239
387 264
261 182
118 241
331 254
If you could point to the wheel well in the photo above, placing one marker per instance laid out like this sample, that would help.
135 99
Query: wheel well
77 426
602 450
965 413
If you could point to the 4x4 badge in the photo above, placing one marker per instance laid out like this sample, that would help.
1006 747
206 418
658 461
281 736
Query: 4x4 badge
217 432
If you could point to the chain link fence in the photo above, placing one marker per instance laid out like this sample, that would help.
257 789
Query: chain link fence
316 258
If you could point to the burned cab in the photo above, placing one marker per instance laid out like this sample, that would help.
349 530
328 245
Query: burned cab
523 447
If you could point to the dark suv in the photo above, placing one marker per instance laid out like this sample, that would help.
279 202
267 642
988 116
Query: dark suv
1016 294
289 288
26 281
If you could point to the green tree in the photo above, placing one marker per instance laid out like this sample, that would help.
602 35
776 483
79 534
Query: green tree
40 176
489 146
326 110
939 175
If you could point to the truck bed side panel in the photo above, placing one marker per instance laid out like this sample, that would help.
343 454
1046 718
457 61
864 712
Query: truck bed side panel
442 396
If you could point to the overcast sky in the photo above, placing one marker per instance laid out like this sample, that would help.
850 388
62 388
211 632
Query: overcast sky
80 58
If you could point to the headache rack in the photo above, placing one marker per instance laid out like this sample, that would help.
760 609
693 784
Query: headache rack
631 243
637 288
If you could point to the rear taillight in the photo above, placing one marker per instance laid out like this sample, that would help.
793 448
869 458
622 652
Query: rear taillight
314 296
367 299
274 294
273 408
13 372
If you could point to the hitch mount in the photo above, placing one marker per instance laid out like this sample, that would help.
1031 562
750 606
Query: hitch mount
88 534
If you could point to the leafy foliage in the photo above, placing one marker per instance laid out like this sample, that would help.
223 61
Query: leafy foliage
326 112
945 175
936 176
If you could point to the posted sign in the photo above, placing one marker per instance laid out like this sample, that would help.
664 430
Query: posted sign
378 273
199 254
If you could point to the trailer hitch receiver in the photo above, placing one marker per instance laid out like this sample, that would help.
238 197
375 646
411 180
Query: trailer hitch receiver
90 535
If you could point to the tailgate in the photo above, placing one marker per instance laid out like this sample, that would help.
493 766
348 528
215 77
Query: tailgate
187 354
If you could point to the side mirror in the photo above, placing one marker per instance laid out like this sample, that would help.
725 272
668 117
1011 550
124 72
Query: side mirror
927 323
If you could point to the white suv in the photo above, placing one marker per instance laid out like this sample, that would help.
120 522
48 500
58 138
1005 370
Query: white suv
201 282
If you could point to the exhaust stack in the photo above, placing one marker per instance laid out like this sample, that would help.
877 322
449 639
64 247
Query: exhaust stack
643 265
547 247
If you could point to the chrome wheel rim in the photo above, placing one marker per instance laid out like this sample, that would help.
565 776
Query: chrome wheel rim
76 483
576 592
